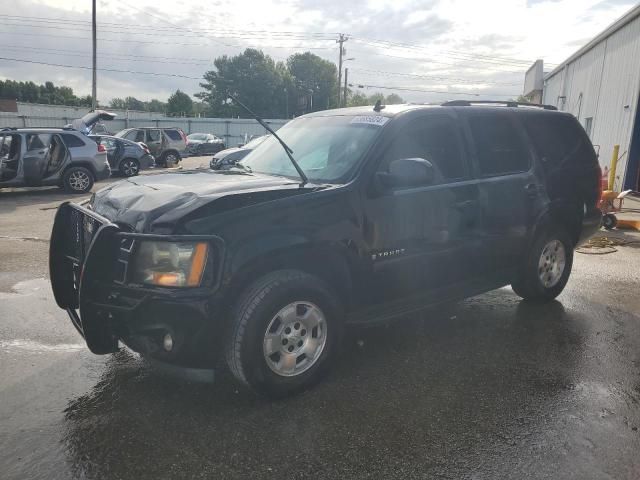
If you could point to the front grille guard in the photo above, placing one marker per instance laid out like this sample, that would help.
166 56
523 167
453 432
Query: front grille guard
86 252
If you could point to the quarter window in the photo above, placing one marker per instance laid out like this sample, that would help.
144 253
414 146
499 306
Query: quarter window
558 140
72 141
499 147
434 139
173 134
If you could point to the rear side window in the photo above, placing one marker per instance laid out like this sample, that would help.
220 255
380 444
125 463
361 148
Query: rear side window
432 138
72 140
173 134
499 147
558 140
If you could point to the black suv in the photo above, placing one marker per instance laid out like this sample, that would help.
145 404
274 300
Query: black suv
382 212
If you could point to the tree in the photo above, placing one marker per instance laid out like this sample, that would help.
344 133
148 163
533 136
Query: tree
180 104
315 76
253 77
156 105
46 93
360 99
393 99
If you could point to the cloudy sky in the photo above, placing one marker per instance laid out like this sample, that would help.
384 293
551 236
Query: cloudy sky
424 50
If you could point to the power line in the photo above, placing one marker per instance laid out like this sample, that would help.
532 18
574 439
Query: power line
409 89
166 43
328 35
433 77
101 69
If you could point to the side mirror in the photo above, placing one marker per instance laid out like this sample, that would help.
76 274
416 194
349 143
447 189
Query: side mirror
407 172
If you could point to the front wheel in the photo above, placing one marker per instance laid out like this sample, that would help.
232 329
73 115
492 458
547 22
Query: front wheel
546 269
286 330
77 180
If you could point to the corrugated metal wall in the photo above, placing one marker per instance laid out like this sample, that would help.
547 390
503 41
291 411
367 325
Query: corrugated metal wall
603 84
232 130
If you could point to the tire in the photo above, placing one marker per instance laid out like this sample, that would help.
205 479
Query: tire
544 275
609 221
268 348
129 167
77 180
169 159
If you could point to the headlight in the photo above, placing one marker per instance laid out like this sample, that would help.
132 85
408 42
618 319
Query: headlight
170 264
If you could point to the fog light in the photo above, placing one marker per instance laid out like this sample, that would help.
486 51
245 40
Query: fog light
167 342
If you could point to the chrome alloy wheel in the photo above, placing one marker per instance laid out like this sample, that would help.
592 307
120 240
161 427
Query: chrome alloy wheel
79 181
295 339
552 263
129 168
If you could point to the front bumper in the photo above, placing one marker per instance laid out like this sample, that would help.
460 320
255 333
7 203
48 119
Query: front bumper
88 263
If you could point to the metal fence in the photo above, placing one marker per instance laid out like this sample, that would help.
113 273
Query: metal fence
232 130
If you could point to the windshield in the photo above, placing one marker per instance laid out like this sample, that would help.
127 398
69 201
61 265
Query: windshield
197 136
326 148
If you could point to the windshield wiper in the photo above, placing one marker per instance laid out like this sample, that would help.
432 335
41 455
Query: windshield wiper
286 147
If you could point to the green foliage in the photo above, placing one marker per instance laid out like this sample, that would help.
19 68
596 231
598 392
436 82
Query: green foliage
132 103
271 89
180 104
314 76
46 93
252 77
360 99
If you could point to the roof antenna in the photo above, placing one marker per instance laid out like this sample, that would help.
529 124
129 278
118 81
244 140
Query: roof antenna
378 106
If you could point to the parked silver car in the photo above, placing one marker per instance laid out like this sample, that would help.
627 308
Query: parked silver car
51 156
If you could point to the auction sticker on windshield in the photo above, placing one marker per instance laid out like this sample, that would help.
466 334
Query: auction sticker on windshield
370 120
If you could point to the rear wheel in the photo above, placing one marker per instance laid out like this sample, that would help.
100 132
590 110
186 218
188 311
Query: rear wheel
547 267
77 180
286 330
129 167
169 159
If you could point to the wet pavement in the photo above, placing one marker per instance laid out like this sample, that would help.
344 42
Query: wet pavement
487 388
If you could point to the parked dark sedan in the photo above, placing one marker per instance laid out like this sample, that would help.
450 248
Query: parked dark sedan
125 157
227 158
202 143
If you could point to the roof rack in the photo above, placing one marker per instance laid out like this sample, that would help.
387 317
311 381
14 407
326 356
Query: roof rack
6 129
507 103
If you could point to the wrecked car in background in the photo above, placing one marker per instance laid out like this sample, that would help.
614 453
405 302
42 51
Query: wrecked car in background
227 158
38 157
125 157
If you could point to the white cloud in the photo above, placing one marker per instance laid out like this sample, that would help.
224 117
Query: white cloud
459 39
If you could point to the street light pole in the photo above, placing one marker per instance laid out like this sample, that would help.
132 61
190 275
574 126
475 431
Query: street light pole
94 86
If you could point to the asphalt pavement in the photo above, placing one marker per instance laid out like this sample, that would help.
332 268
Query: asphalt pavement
490 387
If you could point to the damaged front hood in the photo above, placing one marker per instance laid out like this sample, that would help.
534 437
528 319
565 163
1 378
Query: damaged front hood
158 202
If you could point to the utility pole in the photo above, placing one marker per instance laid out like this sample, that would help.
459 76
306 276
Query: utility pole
94 87
346 74
340 41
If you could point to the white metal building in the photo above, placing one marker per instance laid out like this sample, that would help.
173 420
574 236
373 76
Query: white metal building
600 85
